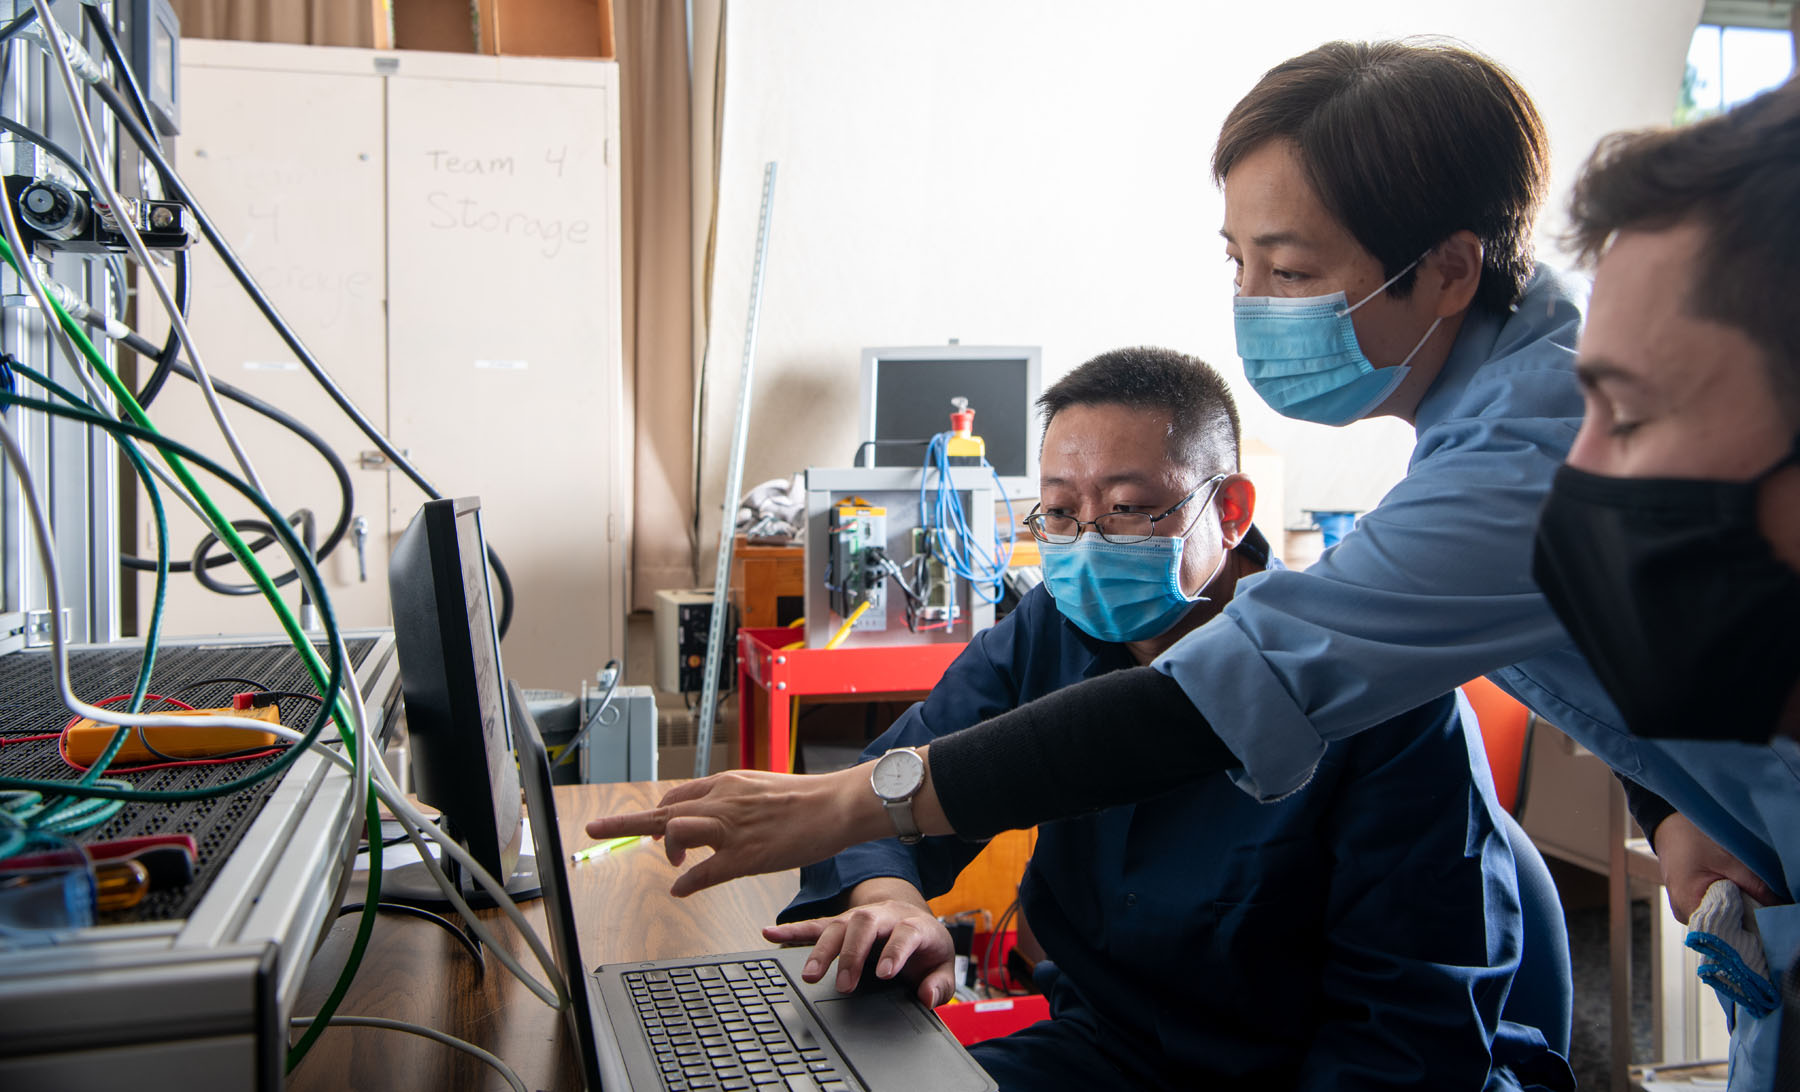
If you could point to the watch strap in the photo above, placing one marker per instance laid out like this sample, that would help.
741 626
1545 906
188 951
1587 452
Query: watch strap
901 812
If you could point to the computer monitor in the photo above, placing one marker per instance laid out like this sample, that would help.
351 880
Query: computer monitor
906 395
463 756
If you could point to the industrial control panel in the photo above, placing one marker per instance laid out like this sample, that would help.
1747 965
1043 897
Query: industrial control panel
884 566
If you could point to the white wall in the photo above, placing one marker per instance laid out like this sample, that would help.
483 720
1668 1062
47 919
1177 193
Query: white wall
1035 172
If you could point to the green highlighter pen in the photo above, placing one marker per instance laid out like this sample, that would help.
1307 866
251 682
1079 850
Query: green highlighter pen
603 848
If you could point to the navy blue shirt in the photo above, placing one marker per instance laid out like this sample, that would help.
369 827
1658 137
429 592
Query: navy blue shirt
1360 932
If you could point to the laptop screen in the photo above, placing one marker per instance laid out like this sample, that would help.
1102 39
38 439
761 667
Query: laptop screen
559 908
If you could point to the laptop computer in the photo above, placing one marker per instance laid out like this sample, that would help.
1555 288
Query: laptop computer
741 1021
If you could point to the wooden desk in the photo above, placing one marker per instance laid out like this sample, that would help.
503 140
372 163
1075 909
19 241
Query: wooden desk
414 971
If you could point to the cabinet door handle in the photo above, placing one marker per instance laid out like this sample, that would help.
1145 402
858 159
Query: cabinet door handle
359 534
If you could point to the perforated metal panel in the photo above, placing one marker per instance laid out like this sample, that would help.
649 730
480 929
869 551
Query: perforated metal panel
29 706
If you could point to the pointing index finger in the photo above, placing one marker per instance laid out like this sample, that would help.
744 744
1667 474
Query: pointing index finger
632 822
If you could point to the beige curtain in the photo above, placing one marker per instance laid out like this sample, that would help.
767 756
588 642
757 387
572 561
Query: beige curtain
655 124
297 22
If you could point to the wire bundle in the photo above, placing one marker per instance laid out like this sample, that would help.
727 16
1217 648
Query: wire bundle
948 536
32 808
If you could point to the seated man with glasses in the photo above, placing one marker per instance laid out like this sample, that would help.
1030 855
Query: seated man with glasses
1362 932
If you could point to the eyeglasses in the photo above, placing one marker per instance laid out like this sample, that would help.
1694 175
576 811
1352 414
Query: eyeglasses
1119 527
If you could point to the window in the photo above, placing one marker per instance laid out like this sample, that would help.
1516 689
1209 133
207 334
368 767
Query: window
1738 51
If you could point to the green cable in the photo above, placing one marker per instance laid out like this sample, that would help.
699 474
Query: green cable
372 819
372 816
285 533
153 637
77 816
309 655
13 835
365 926
227 533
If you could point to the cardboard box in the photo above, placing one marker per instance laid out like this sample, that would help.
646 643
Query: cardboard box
675 762
514 28
677 736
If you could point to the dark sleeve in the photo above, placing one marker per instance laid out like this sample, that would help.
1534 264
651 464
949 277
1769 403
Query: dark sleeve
1120 738
1646 807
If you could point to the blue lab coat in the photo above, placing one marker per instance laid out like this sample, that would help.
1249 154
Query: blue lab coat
1434 587
1360 933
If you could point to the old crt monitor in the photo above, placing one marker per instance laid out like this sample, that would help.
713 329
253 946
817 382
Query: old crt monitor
906 395
464 763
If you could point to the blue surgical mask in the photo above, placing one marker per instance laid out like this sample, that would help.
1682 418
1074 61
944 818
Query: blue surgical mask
1120 591
1301 355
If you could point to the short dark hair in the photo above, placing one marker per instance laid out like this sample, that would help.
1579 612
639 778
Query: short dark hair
1737 176
1203 418
1407 143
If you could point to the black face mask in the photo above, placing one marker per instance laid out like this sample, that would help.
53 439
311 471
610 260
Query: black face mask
1674 596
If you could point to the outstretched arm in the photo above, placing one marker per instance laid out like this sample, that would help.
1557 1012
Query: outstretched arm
1119 738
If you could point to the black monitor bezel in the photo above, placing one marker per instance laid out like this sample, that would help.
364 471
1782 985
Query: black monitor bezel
454 760
559 904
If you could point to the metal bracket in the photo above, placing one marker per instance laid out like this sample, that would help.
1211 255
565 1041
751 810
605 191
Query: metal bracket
39 629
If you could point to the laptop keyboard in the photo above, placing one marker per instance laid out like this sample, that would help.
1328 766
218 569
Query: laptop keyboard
730 1026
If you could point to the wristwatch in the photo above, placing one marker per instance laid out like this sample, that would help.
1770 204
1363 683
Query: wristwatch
897 778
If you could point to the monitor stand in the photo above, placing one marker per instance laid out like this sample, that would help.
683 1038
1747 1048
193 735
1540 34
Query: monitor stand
413 885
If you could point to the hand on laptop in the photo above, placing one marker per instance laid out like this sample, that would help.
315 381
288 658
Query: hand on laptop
886 909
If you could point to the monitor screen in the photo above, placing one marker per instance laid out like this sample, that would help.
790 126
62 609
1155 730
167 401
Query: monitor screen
907 395
463 753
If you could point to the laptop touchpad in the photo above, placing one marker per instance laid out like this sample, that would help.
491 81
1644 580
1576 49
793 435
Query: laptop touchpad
895 1044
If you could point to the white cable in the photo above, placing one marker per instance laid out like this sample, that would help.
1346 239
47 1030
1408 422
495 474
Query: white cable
61 53
81 311
415 824
445 1038
418 830
47 549
40 291
59 659
65 53
389 792
40 525
410 817
350 694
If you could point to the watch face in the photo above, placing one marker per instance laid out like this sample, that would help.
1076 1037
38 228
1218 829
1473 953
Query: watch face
897 775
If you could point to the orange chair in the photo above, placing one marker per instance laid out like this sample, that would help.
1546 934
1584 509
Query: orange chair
1506 730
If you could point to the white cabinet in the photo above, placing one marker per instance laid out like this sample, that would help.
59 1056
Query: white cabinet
443 232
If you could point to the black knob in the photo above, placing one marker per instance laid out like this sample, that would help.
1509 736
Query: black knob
53 209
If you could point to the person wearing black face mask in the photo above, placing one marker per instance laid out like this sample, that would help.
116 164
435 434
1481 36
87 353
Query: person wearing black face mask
1670 544
1679 602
